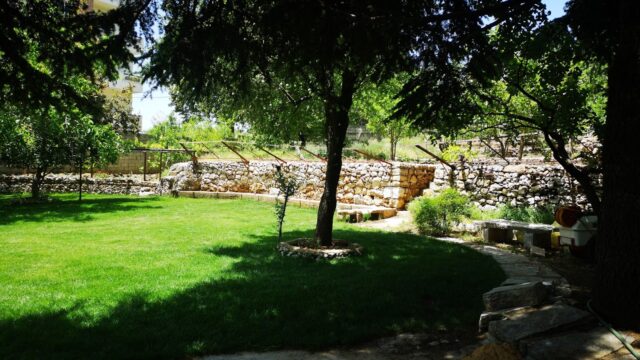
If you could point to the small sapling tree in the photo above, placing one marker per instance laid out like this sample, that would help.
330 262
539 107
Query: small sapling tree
287 186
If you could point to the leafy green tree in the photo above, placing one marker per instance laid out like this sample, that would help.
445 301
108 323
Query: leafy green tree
610 32
117 113
88 144
225 52
549 88
45 42
43 140
375 104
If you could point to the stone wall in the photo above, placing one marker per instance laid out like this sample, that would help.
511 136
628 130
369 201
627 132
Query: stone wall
131 163
62 183
367 183
490 185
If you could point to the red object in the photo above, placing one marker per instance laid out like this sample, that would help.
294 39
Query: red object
567 216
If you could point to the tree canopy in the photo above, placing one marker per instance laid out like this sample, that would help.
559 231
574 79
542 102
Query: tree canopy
45 43
315 51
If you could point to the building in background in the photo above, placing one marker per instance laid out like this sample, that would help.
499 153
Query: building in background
128 83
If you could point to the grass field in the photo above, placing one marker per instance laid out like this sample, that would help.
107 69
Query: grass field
126 277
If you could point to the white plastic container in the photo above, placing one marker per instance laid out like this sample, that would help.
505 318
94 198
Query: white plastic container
580 233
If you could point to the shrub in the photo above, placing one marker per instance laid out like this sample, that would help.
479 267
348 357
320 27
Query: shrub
436 215
530 214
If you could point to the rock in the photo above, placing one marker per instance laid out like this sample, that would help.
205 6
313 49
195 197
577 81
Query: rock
549 318
510 296
489 316
592 344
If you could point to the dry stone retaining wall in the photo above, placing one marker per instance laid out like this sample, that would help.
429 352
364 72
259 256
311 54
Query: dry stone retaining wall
367 183
62 183
490 185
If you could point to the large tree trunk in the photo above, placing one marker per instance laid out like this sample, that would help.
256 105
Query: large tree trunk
617 291
36 183
336 123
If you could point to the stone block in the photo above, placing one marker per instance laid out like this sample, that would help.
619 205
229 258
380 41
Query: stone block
547 319
489 316
493 235
228 195
540 239
510 296
591 344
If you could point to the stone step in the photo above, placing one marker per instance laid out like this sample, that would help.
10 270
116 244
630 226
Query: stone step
591 344
489 316
358 215
510 296
544 320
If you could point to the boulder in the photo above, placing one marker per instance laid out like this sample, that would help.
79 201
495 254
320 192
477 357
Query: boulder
510 296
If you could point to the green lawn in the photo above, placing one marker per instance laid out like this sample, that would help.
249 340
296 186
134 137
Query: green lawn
126 277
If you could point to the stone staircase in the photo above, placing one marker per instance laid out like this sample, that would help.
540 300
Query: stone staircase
531 311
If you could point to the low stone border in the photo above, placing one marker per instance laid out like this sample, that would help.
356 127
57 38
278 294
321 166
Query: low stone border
300 248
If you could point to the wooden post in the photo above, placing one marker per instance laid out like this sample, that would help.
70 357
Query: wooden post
80 180
277 158
316 155
211 150
453 167
245 161
144 168
369 156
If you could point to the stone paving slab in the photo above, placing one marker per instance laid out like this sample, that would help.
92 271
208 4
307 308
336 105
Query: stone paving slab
548 318
592 344
510 296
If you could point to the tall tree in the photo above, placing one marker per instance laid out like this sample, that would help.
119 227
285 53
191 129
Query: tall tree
550 87
375 103
322 50
612 31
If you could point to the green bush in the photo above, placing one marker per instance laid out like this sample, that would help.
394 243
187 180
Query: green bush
436 215
530 214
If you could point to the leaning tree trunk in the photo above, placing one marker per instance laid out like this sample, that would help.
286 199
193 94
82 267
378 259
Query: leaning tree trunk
616 294
560 154
336 123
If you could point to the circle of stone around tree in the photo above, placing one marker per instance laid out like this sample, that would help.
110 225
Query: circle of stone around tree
307 248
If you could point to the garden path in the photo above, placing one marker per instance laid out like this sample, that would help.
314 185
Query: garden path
518 269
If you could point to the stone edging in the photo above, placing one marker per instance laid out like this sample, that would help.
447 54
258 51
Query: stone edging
293 248
304 203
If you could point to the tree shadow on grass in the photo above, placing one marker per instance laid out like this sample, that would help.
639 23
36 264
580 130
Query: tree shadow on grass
266 301
62 209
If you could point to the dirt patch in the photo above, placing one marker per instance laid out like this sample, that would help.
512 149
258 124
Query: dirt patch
494 352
